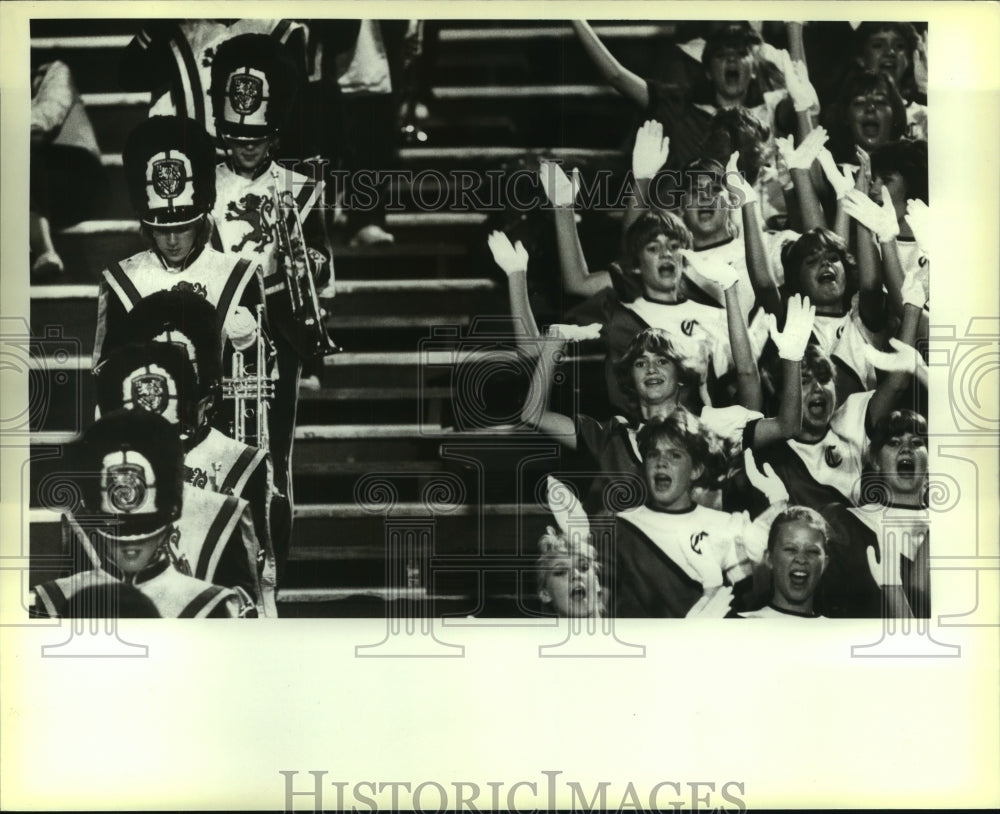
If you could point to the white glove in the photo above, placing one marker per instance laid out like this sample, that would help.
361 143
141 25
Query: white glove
879 219
576 333
650 150
884 567
511 258
713 270
919 218
800 89
714 604
912 291
842 183
802 157
891 225
241 328
773 55
727 422
737 183
777 173
799 317
904 360
560 190
920 63
766 482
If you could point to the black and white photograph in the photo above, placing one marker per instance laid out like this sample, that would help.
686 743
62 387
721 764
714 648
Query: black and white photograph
373 297
546 332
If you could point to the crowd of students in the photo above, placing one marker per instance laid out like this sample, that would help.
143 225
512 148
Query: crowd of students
760 336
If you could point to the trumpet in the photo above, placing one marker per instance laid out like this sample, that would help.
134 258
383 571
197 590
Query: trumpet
251 392
307 334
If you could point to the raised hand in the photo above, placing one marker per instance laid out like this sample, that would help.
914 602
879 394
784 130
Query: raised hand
559 189
863 180
576 333
802 157
780 173
904 360
766 482
841 183
727 422
773 55
919 218
737 183
912 290
884 567
511 258
800 89
799 317
650 151
712 269
786 149
713 604
879 219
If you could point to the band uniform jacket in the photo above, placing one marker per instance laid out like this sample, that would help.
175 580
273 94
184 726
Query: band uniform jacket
245 215
217 540
174 594
223 465
223 280
173 60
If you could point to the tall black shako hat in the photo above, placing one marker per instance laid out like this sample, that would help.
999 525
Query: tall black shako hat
156 377
254 82
170 170
131 466
183 318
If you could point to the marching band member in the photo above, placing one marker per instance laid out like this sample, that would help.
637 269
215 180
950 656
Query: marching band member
273 216
157 377
215 534
169 170
173 60
128 472
183 318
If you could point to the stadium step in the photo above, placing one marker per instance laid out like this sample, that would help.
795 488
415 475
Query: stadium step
374 315
114 115
463 115
483 52
391 408
450 553
86 253
90 246
63 395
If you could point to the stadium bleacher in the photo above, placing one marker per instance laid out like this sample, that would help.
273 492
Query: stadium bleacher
501 93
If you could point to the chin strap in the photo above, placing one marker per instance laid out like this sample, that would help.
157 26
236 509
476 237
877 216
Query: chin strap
203 238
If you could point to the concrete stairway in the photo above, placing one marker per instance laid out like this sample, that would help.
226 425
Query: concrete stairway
405 488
